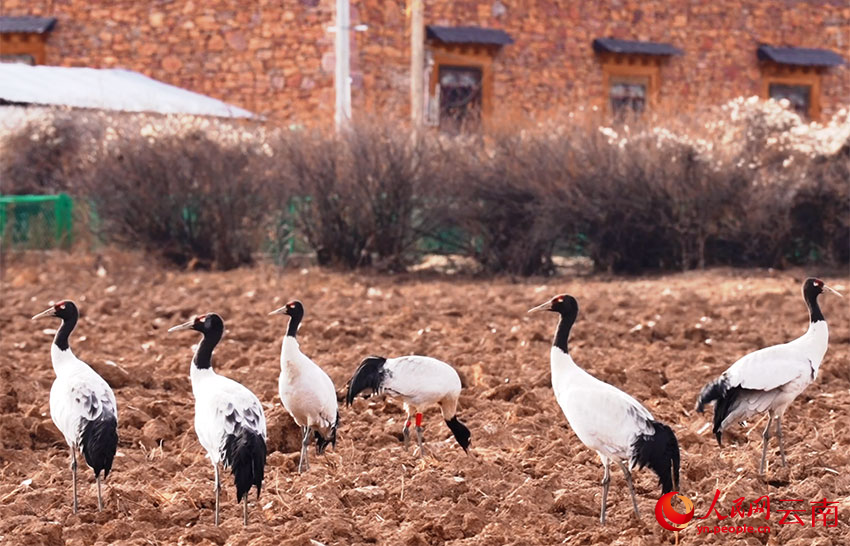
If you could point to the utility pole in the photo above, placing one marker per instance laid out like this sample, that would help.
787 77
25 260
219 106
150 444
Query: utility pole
417 62
342 72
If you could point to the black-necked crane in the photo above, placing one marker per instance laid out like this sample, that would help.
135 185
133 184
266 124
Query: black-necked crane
606 419
82 405
229 419
768 380
419 382
306 391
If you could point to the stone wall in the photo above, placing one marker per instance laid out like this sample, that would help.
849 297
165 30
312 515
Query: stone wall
276 57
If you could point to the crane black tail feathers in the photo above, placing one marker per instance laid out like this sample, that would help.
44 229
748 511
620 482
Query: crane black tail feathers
100 442
660 452
322 442
369 375
460 432
245 454
724 397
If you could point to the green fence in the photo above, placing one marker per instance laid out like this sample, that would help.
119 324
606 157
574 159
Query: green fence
36 221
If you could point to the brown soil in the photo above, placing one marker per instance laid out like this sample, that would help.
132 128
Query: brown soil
528 480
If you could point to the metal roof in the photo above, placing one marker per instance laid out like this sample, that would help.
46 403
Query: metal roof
468 35
799 56
613 45
105 89
26 23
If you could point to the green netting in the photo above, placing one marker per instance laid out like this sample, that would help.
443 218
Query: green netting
36 221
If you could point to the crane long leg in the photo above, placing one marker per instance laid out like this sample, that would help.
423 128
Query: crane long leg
217 492
99 497
303 463
765 438
74 475
628 474
405 433
779 437
606 480
245 510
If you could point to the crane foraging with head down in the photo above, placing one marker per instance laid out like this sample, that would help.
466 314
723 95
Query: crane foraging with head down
306 391
768 380
606 419
229 419
82 405
419 381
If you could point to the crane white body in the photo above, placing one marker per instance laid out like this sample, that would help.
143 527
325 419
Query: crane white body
603 417
221 406
306 391
774 376
422 381
78 396
419 382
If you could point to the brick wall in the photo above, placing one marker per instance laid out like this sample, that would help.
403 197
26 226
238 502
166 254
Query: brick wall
276 57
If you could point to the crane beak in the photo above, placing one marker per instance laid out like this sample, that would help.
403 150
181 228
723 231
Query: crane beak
281 311
542 307
831 289
184 326
49 312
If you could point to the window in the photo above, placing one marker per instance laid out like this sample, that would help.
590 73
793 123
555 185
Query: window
459 75
800 96
460 96
628 94
22 39
21 58
631 85
794 73
799 85
631 73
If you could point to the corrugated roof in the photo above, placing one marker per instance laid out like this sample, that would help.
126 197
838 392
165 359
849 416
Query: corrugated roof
468 35
799 56
26 23
613 45
105 89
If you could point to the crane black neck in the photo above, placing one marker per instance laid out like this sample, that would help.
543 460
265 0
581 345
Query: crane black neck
562 334
203 356
64 332
815 314
294 323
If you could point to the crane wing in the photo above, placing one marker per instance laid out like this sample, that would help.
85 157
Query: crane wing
222 409
605 419
77 399
420 377
769 368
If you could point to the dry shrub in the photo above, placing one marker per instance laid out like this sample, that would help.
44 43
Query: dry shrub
366 194
745 184
508 190
189 197
820 211
41 153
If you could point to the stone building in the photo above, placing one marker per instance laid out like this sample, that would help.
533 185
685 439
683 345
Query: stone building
484 59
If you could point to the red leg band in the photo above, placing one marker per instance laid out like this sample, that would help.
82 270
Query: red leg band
407 424
418 419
